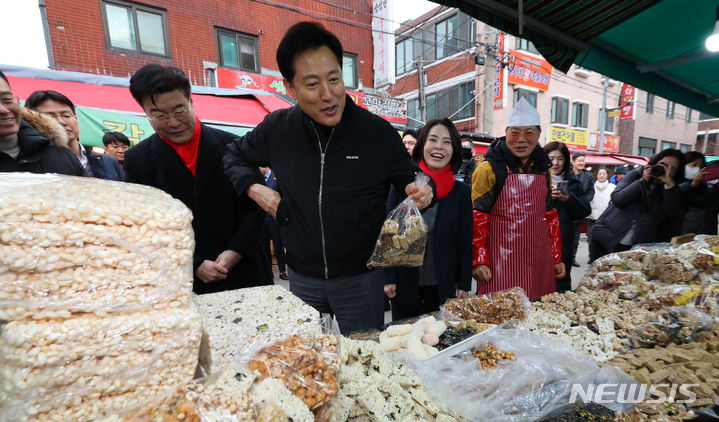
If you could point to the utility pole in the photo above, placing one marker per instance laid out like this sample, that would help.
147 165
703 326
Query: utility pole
603 116
489 75
421 98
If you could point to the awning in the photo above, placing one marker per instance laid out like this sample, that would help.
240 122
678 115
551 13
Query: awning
657 46
102 108
603 160
243 110
632 159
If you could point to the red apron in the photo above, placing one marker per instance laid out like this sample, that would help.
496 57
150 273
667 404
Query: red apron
518 242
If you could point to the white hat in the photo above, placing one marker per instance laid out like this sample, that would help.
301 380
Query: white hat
523 114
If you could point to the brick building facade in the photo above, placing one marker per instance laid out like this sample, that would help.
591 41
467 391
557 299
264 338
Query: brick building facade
569 104
116 37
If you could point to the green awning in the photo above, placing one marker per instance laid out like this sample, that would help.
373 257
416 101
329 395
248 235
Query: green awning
657 46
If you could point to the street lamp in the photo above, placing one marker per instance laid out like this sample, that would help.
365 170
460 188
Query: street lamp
712 42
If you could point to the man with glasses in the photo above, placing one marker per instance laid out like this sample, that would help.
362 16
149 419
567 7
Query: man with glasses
59 107
184 158
32 142
514 224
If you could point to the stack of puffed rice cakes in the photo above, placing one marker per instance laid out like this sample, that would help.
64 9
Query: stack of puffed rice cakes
95 309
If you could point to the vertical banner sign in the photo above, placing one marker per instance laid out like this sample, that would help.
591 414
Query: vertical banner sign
499 73
383 40
628 92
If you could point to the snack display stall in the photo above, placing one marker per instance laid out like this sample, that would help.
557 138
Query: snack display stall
98 323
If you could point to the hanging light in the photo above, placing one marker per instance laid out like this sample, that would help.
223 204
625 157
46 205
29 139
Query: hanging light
712 41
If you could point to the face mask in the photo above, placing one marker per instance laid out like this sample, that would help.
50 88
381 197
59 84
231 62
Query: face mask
690 172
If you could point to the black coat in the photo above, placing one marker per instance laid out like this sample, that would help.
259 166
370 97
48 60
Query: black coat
104 166
39 155
652 209
701 217
573 209
452 250
586 180
333 203
222 220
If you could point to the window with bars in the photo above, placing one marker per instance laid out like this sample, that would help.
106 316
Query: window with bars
670 109
238 51
135 27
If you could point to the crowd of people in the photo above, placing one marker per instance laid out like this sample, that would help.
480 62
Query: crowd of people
319 179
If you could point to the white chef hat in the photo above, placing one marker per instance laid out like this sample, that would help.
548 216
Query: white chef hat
523 114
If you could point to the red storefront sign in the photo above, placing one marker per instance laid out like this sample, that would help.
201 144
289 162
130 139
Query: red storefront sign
527 70
611 142
499 73
627 97
390 109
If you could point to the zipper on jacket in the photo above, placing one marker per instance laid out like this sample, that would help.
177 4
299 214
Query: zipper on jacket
322 176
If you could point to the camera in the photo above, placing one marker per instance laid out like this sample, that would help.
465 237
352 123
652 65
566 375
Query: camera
657 170
466 153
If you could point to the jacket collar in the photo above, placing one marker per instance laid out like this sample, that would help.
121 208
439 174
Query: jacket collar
499 153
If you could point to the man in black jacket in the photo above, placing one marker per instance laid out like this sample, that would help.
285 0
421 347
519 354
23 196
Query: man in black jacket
59 107
336 162
586 179
31 142
184 159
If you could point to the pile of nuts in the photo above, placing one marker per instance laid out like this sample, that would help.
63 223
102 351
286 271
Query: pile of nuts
307 366
493 308
490 356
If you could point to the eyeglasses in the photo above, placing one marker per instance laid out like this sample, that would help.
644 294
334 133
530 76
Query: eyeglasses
65 115
165 117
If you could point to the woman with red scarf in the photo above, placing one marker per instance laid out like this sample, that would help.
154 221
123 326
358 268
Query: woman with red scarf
447 268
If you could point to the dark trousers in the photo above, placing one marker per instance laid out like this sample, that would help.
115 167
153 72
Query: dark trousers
428 302
575 240
356 301
277 244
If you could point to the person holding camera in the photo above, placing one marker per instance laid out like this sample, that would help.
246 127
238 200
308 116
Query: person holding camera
569 201
468 164
646 206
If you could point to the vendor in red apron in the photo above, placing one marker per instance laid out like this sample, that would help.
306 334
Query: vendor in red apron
516 240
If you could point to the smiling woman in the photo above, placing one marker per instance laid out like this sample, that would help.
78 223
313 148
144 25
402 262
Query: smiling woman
446 272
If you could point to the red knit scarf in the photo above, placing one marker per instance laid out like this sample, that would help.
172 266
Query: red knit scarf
188 150
443 179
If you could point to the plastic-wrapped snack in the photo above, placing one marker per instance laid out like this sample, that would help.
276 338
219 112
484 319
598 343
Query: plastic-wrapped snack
609 280
702 253
403 236
609 262
678 325
308 366
492 308
640 257
221 397
674 265
672 295
709 300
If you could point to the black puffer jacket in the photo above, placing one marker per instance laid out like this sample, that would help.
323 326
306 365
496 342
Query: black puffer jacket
653 211
43 149
333 203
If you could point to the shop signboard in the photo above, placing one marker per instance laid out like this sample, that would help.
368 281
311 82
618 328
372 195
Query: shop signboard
527 70
391 109
499 73
611 142
575 139
627 97
95 122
